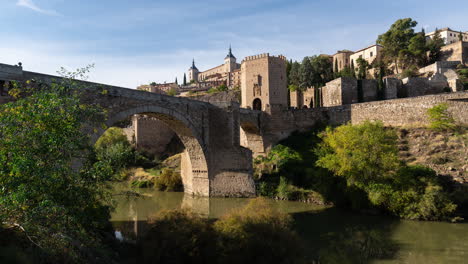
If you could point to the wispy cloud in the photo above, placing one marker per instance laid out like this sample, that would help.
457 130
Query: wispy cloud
30 4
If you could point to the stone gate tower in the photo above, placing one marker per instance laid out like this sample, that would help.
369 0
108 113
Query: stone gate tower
263 82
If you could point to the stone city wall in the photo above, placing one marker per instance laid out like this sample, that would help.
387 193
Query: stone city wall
401 112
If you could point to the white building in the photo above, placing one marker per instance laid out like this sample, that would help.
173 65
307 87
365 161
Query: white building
370 54
449 36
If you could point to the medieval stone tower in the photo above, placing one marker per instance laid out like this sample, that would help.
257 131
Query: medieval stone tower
193 72
263 82
230 62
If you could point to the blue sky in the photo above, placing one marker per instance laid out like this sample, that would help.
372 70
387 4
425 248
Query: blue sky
136 42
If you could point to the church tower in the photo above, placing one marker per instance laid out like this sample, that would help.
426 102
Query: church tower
230 61
193 72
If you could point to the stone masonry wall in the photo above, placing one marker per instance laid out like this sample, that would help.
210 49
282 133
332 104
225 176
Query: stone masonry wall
401 112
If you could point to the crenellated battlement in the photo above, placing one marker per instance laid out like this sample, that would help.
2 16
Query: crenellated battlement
261 56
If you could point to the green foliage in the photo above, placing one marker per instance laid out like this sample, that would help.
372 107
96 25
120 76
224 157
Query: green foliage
172 92
256 233
440 118
346 72
294 75
185 80
178 237
61 209
411 71
396 40
112 136
276 160
221 88
434 46
366 156
314 71
363 66
359 153
169 180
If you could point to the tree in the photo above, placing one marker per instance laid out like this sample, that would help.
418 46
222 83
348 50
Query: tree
434 46
353 70
153 84
322 70
306 73
61 209
336 66
294 76
417 49
363 66
396 39
345 72
172 92
185 79
176 80
360 153
460 37
440 118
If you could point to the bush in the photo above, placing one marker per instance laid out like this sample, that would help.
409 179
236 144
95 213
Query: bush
412 71
169 180
360 153
440 118
112 136
178 237
258 234
366 156
254 234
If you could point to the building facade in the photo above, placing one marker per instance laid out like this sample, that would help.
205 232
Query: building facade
371 54
264 82
229 72
449 36
341 60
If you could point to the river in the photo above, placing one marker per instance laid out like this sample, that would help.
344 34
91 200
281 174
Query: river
330 235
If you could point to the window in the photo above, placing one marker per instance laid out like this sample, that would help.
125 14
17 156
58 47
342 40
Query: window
372 54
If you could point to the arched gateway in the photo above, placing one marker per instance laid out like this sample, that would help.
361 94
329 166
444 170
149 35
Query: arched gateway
213 163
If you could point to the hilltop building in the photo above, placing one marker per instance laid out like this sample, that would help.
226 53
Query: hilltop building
347 58
229 72
341 60
448 35
261 79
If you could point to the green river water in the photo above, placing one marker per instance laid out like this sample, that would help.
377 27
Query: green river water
330 235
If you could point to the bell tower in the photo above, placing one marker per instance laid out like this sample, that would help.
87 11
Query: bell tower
230 61
193 72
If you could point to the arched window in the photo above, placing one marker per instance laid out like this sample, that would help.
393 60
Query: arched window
257 104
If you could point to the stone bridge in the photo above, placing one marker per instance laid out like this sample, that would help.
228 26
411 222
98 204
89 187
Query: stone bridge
213 163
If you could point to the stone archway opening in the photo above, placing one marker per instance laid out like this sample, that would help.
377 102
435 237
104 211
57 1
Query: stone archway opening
194 166
251 138
257 104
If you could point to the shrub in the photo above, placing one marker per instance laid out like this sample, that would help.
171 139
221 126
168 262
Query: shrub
169 180
258 234
178 237
440 118
412 71
360 153
112 136
366 156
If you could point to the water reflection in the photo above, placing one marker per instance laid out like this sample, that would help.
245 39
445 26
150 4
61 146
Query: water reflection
330 235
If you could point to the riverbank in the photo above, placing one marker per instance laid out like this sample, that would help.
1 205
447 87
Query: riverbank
330 235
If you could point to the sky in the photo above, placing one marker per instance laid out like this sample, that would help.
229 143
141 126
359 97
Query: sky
140 41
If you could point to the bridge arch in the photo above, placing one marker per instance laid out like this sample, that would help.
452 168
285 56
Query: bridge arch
194 164
251 138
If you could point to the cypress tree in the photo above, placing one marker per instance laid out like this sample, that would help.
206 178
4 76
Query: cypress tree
185 79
